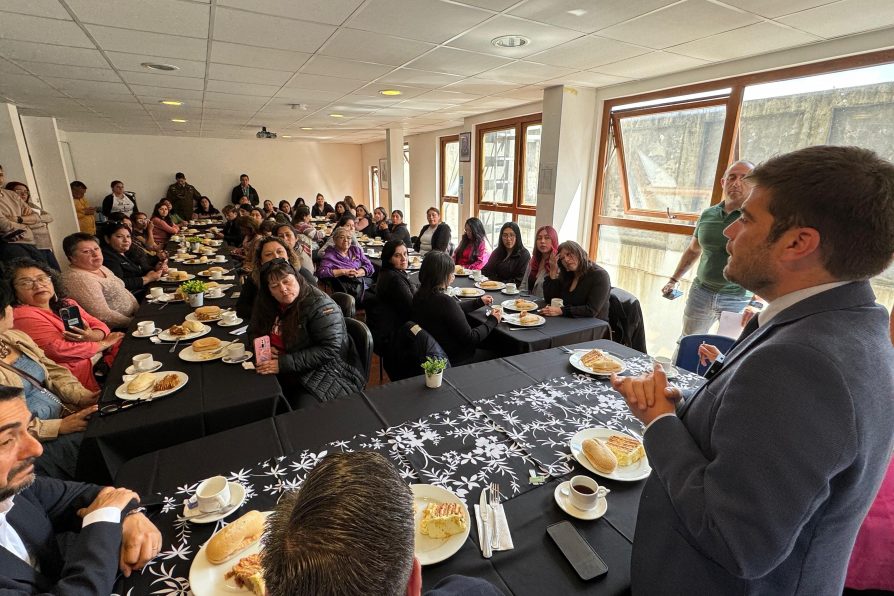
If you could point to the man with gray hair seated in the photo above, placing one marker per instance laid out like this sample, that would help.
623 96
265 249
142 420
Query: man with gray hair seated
349 530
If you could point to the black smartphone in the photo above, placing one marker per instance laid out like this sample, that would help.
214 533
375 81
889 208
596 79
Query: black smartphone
673 294
71 317
578 551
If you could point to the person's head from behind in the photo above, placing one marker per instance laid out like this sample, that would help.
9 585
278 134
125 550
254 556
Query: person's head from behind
244 209
349 202
302 214
316 546
78 189
816 215
573 258
436 271
83 251
395 255
248 227
433 215
18 447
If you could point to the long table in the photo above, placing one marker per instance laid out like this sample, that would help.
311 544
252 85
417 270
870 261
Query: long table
489 405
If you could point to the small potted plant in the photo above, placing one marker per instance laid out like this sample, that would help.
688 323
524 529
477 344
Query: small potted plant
434 371
194 243
195 292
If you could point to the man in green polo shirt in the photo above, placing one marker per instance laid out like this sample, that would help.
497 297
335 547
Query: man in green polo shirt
711 292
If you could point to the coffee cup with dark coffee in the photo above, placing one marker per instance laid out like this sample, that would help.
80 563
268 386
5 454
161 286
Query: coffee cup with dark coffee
585 492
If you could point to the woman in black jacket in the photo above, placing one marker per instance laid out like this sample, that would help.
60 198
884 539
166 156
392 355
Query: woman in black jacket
205 209
124 263
395 288
583 286
510 259
313 357
398 229
444 317
268 248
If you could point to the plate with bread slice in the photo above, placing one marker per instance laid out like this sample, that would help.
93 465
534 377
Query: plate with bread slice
490 285
185 331
203 349
205 314
597 362
468 292
176 277
610 454
442 523
519 304
524 319
229 563
150 385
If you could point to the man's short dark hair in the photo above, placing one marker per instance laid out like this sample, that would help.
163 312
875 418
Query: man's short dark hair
243 176
349 530
845 193
8 392
180 176
78 184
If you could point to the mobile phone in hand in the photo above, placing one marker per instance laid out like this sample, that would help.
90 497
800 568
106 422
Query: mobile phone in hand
71 317
262 349
673 294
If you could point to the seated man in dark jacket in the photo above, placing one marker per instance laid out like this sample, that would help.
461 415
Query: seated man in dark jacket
112 531
342 489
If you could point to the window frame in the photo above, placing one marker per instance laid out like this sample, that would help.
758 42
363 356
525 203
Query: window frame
444 141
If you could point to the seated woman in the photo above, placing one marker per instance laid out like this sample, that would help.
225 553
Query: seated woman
398 229
163 226
300 243
425 241
472 250
176 219
583 286
341 209
363 223
39 228
349 223
61 405
302 224
141 231
267 249
39 296
298 202
285 208
231 234
510 259
346 267
93 286
350 204
135 272
546 245
314 358
395 287
379 225
444 317
250 232
205 209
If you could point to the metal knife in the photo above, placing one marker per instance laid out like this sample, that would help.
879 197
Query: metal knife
484 514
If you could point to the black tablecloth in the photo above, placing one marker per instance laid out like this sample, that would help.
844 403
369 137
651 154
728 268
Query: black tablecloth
474 391
217 397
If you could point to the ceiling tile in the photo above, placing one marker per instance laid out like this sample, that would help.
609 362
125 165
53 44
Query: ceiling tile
479 86
349 69
586 16
242 55
424 20
38 52
151 44
254 89
452 97
532 93
191 19
162 80
322 83
133 62
587 52
381 49
542 37
774 8
525 72
245 74
843 18
458 62
7 67
39 8
587 79
287 95
496 5
419 78
333 12
152 93
747 41
28 28
680 23
71 72
269 31
650 65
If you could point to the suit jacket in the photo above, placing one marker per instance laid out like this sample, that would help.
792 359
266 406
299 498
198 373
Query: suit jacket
40 512
236 195
760 484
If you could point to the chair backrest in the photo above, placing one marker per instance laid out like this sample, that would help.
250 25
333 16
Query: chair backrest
346 303
625 317
411 345
687 354
363 342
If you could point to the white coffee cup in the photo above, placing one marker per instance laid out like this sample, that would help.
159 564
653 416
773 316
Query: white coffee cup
228 316
220 258
511 288
585 492
217 275
213 494
557 302
235 351
146 327
143 362
214 293
156 292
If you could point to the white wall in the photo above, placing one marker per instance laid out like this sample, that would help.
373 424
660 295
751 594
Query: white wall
278 169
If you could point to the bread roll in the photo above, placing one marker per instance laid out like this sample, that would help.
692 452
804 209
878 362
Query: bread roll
205 344
599 456
206 313
235 538
192 326
141 382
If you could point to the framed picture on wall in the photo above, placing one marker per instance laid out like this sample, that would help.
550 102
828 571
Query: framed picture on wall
384 178
465 146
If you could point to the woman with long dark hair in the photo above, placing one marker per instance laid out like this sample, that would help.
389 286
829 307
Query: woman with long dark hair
398 229
266 250
472 250
510 259
205 209
546 244
301 244
364 224
39 228
163 227
141 231
583 286
380 225
313 356
444 317
341 209
120 259
395 287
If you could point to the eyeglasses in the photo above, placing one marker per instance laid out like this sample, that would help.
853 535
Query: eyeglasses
27 282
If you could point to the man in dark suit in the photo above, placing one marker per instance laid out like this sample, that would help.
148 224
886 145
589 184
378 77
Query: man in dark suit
246 191
762 477
112 531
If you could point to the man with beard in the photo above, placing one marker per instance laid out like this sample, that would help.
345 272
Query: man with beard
762 477
112 531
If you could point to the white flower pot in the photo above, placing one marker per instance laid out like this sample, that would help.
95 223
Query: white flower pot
197 299
434 381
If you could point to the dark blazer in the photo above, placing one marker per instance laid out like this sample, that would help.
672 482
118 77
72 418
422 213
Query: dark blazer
236 195
760 484
463 585
440 239
444 317
394 291
109 200
509 270
126 267
589 298
316 211
398 232
232 234
41 512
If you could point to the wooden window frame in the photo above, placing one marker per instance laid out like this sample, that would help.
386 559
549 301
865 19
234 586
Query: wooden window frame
445 198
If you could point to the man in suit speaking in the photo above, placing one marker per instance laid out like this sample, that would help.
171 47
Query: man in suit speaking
762 477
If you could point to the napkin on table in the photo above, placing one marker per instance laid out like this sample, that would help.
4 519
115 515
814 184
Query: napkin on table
501 524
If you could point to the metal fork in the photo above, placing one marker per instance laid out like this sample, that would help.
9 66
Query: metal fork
174 347
494 501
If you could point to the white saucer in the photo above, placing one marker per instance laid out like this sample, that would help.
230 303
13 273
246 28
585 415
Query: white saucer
155 332
508 293
565 505
245 358
238 321
130 370
237 498
210 297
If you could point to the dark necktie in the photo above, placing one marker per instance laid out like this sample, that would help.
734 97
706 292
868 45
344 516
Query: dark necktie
750 328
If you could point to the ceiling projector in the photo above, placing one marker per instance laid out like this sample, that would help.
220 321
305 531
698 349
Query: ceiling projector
265 134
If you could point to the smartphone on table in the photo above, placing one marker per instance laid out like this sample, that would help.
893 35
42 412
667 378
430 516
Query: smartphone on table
578 551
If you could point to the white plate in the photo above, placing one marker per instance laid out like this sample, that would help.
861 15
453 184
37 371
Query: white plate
156 331
176 281
130 370
206 579
465 273
121 391
565 505
462 292
508 293
510 305
238 321
227 360
192 317
434 550
169 297
631 473
191 355
165 336
574 359
513 319
500 285
208 275
216 297
237 498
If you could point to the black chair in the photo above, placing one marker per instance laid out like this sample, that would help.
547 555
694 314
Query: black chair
363 342
410 346
625 317
346 303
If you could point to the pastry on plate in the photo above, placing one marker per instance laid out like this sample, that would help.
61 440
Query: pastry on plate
626 449
207 313
600 362
490 285
166 383
523 304
526 318
141 383
249 574
442 520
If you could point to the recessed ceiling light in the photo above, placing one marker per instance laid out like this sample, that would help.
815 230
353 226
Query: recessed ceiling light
178 120
154 66
306 128
171 102
390 92
510 41
578 12
337 115
286 136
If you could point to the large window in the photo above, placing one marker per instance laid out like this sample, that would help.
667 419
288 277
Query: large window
508 165
450 184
